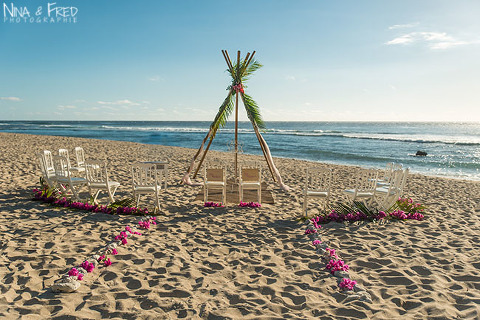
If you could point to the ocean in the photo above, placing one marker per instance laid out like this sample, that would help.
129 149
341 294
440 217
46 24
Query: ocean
453 149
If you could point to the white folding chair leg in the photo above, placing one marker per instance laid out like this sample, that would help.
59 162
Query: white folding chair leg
111 192
95 196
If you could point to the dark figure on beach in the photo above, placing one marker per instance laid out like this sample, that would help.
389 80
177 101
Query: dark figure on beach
420 153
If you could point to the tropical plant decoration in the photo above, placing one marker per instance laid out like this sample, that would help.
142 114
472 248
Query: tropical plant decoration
240 72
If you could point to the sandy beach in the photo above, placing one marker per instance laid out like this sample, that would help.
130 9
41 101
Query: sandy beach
230 263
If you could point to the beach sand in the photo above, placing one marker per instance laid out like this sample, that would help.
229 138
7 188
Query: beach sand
230 263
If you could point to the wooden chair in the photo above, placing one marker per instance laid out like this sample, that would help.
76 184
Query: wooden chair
215 178
317 185
365 186
80 157
64 179
64 153
145 180
97 178
250 178
46 167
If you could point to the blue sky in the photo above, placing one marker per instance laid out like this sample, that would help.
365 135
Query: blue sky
323 60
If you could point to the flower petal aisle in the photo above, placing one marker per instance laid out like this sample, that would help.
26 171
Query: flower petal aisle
70 282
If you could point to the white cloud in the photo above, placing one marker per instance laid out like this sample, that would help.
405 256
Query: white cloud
434 40
291 78
10 98
124 102
156 78
66 107
403 26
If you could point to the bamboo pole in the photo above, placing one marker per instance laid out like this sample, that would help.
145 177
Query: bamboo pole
263 150
227 60
245 64
236 119
203 157
186 177
260 141
251 57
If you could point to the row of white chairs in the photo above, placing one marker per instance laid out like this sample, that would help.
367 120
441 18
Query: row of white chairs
383 187
58 173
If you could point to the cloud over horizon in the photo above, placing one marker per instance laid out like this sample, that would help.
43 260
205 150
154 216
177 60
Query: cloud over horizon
10 98
434 40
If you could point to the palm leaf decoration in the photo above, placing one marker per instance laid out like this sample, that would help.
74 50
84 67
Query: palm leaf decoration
240 72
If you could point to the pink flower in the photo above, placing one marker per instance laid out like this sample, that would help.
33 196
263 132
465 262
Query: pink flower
127 228
331 252
114 251
101 258
308 231
154 218
73 272
79 276
124 241
316 242
347 284
90 267
108 262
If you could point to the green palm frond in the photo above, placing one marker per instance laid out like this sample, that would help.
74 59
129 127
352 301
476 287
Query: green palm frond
253 111
223 113
252 67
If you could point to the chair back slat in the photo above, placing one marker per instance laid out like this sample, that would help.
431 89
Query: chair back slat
366 180
80 156
214 174
62 167
144 175
318 179
96 171
250 174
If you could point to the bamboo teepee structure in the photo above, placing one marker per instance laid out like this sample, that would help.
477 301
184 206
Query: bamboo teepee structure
240 71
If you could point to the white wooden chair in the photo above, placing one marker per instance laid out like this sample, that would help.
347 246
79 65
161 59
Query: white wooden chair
64 179
365 186
317 185
387 195
80 157
250 178
64 153
97 178
145 180
46 167
386 179
215 178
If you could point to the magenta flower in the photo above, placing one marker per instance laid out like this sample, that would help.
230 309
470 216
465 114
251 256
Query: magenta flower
347 284
108 262
73 272
331 252
316 242
308 231
114 251
80 276
90 267
101 258
124 241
